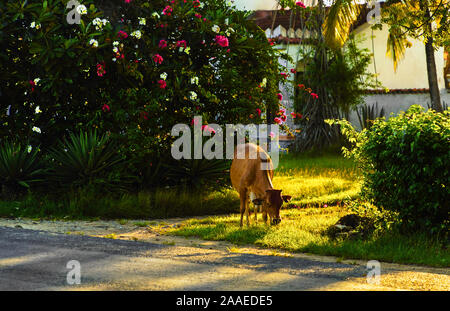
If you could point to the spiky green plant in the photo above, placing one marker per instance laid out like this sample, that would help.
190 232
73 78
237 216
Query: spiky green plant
367 114
87 159
20 168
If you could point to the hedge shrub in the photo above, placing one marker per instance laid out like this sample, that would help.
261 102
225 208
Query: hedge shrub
405 164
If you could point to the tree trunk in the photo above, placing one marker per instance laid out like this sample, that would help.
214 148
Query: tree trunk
431 68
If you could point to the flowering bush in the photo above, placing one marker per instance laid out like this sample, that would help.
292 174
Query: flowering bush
132 71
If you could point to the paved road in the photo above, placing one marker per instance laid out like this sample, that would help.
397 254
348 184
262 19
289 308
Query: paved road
36 260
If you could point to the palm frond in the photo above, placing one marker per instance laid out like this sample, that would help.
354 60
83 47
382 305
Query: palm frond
338 22
396 46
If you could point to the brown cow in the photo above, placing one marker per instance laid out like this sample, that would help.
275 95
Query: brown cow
252 182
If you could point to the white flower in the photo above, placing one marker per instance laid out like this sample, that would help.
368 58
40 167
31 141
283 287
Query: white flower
202 5
137 34
115 43
34 25
229 31
94 43
114 59
216 29
29 148
115 49
37 110
193 95
142 21
156 15
263 83
194 80
36 129
82 10
163 76
36 81
105 21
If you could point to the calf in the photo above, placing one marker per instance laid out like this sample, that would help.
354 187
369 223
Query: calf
251 181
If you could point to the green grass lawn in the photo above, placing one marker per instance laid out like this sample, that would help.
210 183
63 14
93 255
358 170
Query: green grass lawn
304 230
317 180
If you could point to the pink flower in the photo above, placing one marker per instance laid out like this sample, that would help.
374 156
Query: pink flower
198 15
258 111
122 34
293 71
127 1
207 128
167 11
222 41
162 44
278 121
280 96
158 59
285 75
300 4
272 134
101 69
314 95
162 84
105 108
181 43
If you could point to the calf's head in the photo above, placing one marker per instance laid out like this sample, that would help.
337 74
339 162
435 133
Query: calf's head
272 203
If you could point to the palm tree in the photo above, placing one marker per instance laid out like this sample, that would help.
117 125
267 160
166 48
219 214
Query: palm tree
344 13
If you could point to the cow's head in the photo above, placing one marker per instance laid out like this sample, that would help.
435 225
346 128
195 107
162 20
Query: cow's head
272 204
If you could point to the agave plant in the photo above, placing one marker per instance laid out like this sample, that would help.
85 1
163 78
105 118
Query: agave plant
367 114
199 175
20 168
87 159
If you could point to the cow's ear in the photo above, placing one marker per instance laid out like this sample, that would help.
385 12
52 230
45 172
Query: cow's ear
286 198
257 201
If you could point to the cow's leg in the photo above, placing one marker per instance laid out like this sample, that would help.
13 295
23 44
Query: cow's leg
247 210
264 212
243 199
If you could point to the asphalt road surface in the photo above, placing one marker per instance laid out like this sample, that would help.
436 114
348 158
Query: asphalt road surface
37 260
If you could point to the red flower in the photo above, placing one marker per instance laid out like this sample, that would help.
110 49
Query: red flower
105 108
222 41
162 44
158 59
300 4
101 69
278 121
167 11
162 84
280 96
302 86
33 84
283 118
314 95
258 111
293 71
285 75
181 43
122 34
